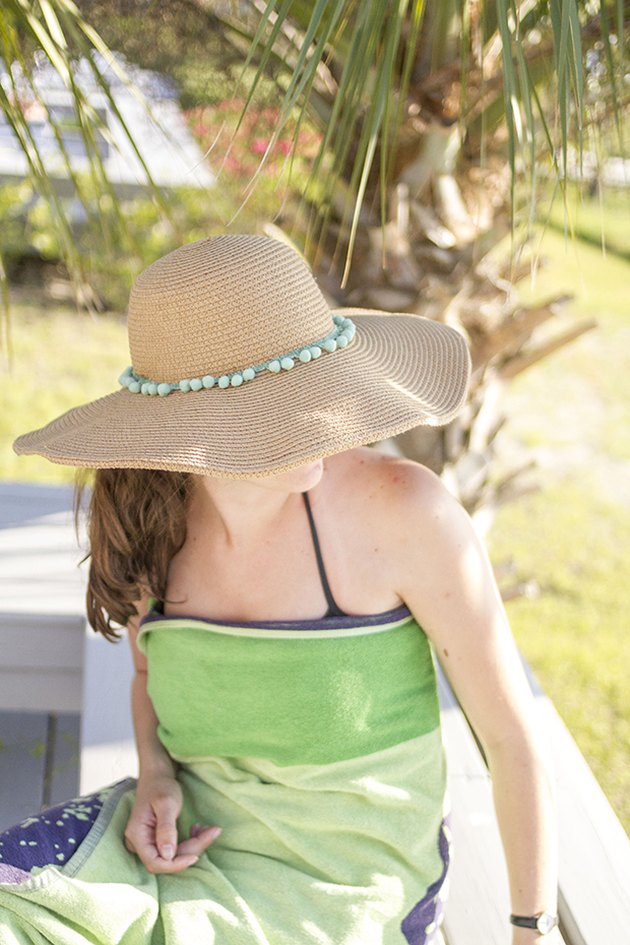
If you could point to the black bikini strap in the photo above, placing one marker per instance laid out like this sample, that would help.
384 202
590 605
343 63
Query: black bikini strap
333 609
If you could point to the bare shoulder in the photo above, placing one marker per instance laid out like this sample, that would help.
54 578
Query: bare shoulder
418 522
371 467
401 488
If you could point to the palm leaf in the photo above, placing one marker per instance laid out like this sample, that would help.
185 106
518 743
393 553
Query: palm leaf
350 66
57 28
20 127
369 106
612 73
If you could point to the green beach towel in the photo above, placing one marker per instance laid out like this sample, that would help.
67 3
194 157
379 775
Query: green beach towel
316 747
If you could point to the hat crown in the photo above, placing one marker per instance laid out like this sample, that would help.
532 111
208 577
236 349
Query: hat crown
221 304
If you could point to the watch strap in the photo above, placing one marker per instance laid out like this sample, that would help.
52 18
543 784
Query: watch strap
543 922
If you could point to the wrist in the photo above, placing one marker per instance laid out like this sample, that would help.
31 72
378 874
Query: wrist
156 767
532 937
540 928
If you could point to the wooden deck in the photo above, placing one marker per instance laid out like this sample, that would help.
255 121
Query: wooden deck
51 664
40 681
65 728
39 762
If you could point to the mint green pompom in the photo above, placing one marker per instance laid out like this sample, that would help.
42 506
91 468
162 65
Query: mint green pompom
342 341
330 345
316 352
208 381
305 356
152 389
287 363
249 374
184 386
164 389
134 387
224 381
145 388
236 380
196 383
273 366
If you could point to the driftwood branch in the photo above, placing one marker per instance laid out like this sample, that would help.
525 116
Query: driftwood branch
519 364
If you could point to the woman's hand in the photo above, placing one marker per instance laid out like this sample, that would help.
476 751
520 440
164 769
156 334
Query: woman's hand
152 828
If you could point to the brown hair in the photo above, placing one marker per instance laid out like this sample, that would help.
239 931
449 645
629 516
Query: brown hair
136 523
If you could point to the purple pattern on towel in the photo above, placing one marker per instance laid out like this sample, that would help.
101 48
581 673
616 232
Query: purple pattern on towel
12 875
421 924
50 837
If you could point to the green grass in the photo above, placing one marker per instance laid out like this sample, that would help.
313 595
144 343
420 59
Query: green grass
590 375
599 282
573 536
574 635
603 223
61 359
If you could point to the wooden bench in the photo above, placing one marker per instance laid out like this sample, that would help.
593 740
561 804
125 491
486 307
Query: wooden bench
594 873
51 663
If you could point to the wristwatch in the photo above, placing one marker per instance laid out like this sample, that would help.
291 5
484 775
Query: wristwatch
543 922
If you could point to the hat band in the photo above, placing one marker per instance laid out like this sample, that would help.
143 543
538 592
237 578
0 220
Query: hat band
339 338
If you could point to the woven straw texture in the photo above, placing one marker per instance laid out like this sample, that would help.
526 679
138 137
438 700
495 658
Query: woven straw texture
221 304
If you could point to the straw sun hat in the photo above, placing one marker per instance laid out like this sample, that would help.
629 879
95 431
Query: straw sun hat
240 369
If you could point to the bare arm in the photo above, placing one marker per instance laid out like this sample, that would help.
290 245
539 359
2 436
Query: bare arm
151 832
447 582
152 756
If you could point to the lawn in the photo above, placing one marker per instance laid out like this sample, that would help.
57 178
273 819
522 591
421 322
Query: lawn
60 359
601 221
572 537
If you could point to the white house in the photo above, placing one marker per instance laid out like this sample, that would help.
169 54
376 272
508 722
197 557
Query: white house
160 131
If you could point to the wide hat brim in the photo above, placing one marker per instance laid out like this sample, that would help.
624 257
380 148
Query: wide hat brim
400 371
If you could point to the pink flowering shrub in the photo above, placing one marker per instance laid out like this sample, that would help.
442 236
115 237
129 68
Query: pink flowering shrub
240 157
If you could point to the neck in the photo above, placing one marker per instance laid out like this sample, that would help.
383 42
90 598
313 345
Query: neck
242 511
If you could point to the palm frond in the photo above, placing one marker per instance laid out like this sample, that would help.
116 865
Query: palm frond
55 32
353 67
374 51
372 45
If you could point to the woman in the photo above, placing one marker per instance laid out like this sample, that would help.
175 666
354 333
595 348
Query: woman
291 778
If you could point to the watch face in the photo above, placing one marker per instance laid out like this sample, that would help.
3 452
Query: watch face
545 923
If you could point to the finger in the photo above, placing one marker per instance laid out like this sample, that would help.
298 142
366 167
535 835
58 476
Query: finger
197 829
140 837
199 842
166 811
177 864
147 852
